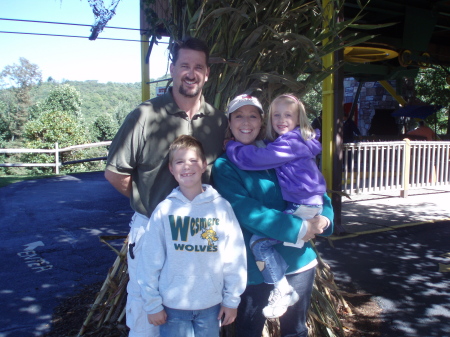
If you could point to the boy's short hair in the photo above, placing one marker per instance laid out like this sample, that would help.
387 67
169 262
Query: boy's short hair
191 43
186 142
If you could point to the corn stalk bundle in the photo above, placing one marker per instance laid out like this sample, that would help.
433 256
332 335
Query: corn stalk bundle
108 310
262 47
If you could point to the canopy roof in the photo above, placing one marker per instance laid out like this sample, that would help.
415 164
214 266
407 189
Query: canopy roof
420 36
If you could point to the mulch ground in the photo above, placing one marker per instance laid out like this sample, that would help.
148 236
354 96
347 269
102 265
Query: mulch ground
69 316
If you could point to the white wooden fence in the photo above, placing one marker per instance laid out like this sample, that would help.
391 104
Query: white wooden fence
56 151
399 165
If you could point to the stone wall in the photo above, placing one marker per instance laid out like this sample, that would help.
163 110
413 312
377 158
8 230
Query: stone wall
372 96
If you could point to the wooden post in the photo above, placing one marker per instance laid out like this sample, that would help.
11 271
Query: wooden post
56 158
406 168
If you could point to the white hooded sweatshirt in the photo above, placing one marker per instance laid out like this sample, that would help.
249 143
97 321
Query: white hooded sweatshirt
193 254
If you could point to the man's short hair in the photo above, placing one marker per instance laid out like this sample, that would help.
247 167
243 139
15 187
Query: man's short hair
189 43
186 142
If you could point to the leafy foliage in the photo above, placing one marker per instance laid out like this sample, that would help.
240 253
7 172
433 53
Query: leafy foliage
62 97
260 47
53 127
21 79
105 127
432 88
5 128
24 75
91 111
86 100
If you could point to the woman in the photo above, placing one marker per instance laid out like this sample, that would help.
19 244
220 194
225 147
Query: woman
258 204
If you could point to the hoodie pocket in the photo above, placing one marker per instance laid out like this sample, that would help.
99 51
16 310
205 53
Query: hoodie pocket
192 292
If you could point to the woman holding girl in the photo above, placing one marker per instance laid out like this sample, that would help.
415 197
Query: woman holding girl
258 203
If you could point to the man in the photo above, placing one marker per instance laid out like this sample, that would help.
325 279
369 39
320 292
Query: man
350 130
137 163
423 131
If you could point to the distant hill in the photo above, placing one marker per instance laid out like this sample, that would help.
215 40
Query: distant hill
116 99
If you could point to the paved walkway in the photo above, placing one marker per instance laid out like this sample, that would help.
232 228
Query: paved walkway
397 252
387 210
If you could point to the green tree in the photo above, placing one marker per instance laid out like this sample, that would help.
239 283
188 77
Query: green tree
105 127
432 87
5 122
54 127
62 97
21 78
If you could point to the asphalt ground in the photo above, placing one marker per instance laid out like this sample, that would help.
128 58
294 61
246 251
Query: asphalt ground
405 270
50 245
51 250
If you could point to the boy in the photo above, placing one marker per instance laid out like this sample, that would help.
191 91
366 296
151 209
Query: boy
192 268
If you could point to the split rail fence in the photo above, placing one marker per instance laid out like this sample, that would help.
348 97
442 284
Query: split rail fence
57 153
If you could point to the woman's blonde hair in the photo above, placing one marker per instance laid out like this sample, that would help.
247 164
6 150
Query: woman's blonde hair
305 127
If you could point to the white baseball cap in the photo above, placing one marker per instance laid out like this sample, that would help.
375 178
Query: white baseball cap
242 100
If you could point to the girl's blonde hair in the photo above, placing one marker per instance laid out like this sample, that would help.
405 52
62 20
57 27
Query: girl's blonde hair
305 127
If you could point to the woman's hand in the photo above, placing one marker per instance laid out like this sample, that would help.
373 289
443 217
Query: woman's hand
316 226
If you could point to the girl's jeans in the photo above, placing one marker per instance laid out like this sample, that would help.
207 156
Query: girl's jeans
269 261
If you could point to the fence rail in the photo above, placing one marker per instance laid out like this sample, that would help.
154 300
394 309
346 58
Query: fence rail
400 165
56 151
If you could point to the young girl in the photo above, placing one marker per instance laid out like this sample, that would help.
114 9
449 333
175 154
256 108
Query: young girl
292 154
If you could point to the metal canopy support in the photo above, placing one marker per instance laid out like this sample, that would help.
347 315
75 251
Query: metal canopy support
331 126
337 144
327 107
393 93
355 100
145 57
145 69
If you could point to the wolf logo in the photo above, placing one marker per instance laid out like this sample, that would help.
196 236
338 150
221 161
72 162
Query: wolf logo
210 235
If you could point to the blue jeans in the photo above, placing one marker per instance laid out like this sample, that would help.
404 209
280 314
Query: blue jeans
269 261
190 323
250 319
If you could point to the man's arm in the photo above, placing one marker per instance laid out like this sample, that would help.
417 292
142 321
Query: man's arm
121 182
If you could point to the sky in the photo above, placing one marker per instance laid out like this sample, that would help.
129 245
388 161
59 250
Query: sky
76 59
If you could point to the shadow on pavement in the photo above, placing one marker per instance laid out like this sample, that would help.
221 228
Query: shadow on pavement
400 269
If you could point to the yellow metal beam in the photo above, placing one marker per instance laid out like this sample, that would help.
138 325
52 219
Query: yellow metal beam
327 107
145 69
145 66
393 93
